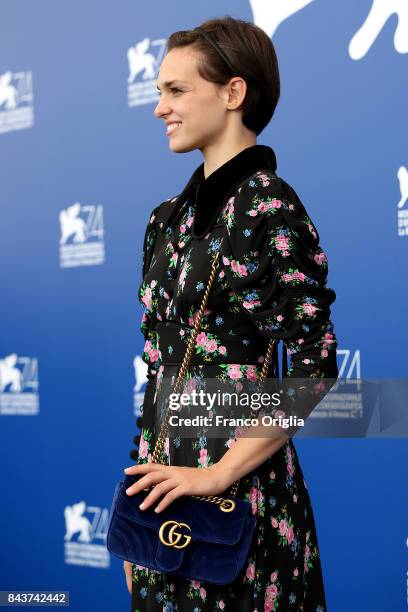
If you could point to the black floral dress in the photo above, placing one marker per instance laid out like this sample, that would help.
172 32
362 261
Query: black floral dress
270 283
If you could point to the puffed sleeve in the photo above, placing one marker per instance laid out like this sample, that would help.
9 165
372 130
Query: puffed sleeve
149 242
277 271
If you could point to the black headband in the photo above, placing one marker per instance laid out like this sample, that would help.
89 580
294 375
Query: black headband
220 52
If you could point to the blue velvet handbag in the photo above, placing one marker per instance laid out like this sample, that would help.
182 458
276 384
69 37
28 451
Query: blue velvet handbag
204 538
190 538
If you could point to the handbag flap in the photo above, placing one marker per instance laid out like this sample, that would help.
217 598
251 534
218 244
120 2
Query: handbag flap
201 520
169 558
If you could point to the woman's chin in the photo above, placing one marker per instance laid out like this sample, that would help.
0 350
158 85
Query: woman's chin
178 146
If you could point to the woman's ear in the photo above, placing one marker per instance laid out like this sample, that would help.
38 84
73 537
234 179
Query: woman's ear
237 88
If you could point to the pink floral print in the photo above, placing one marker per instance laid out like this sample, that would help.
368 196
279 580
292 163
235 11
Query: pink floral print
271 283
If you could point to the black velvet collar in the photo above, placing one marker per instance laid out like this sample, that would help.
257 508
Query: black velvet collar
209 193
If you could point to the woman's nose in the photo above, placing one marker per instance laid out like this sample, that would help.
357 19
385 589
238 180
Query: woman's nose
161 109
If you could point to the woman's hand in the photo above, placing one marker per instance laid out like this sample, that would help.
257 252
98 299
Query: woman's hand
173 481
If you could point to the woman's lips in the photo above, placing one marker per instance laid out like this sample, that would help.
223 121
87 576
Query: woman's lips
172 127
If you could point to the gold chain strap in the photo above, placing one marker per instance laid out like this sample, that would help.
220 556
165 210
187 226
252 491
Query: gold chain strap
225 504
262 376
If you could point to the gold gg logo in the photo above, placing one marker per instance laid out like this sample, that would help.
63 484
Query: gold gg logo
173 537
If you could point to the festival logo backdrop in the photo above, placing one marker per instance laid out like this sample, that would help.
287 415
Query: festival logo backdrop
94 156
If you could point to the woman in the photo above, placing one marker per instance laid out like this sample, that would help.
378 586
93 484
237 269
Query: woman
219 86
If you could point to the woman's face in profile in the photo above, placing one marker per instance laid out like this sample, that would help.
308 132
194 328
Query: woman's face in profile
194 109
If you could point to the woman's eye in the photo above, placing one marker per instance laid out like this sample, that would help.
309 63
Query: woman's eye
174 90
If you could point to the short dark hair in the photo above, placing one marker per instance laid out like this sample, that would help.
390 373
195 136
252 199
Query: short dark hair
250 51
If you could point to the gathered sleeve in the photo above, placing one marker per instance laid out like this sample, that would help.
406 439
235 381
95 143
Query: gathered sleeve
146 327
277 270
149 242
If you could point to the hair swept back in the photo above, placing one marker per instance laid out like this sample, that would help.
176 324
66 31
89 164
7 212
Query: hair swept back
251 52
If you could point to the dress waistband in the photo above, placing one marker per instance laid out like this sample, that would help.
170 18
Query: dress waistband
172 340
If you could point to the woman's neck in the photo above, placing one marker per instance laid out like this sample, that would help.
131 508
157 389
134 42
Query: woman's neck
217 155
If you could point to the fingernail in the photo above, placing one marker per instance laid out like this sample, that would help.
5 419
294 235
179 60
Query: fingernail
157 509
141 506
126 470
127 490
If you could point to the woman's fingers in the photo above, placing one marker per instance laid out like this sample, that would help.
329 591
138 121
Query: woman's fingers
144 468
170 497
157 492
146 481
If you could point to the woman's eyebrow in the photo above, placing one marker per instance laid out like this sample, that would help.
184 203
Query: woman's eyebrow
170 83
